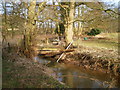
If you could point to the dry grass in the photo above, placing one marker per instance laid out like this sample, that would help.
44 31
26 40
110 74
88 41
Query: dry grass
21 72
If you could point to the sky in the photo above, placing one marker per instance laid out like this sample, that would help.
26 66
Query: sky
116 2
112 1
106 1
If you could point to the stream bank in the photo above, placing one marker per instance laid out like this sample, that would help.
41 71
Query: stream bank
79 77
81 57
21 72
103 60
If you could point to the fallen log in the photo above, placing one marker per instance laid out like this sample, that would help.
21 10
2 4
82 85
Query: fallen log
46 53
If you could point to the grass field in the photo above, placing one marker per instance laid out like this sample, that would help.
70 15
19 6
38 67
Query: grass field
110 42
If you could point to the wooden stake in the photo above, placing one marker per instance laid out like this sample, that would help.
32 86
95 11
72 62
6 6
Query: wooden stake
63 52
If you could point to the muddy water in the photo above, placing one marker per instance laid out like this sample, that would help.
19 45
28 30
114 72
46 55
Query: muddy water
76 77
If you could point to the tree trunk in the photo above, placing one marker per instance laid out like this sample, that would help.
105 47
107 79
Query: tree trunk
30 27
69 26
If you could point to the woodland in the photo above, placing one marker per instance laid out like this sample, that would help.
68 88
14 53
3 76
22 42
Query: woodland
60 44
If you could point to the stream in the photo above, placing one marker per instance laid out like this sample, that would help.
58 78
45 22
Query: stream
77 77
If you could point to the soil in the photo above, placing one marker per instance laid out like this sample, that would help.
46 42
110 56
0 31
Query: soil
22 72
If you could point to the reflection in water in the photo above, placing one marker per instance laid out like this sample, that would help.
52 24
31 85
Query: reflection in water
76 77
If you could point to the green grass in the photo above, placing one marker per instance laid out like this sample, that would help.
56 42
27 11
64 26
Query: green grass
101 43
112 35
8 75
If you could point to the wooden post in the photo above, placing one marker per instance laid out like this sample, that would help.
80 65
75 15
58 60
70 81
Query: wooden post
63 53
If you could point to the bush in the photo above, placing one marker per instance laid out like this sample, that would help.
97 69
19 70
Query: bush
94 32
